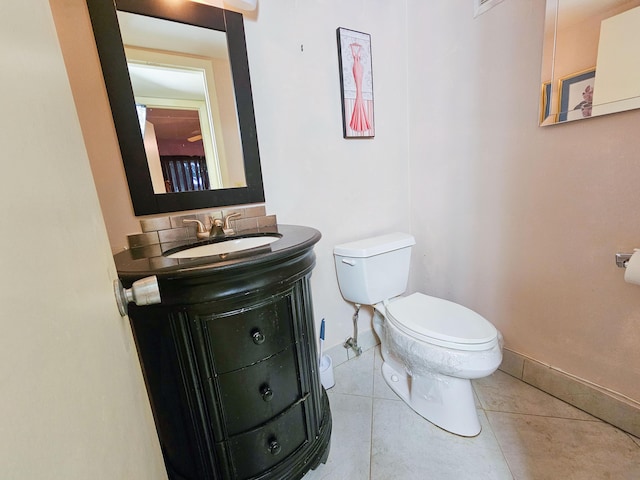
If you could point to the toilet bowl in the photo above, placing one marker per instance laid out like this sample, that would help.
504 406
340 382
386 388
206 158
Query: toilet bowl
429 359
431 347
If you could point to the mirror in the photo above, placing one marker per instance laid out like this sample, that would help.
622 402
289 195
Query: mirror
183 91
177 77
590 60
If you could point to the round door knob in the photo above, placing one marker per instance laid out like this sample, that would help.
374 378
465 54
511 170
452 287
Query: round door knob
266 392
142 292
258 337
274 447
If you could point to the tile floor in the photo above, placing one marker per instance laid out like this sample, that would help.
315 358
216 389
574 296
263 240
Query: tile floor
526 434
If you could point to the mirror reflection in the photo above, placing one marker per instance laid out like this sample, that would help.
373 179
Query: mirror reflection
189 44
183 90
591 59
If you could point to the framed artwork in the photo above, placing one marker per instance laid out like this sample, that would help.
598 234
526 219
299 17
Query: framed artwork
576 95
545 101
356 83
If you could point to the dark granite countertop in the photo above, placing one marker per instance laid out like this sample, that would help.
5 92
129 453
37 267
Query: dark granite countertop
151 260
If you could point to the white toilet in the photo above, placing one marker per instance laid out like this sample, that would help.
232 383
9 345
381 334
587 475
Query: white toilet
431 347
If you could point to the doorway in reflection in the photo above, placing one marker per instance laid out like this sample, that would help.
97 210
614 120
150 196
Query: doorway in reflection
175 150
191 88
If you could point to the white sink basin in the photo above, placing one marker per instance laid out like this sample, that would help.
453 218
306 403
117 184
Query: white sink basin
226 246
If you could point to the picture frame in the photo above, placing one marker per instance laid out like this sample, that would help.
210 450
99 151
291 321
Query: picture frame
576 95
545 101
356 83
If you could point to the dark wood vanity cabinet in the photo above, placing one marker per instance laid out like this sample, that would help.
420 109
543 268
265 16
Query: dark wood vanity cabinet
232 371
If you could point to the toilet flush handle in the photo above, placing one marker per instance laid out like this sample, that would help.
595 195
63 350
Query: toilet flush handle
348 261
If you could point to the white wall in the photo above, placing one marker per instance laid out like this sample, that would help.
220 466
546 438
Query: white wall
518 222
72 400
85 76
312 176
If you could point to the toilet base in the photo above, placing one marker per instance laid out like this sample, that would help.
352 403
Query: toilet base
445 401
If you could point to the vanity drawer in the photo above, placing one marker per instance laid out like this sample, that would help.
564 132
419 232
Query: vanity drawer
256 451
249 335
252 395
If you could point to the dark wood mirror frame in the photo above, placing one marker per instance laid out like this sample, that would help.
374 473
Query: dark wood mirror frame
116 77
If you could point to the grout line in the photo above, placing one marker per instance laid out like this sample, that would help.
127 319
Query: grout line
633 438
372 373
593 420
371 440
504 456
493 432
352 394
373 386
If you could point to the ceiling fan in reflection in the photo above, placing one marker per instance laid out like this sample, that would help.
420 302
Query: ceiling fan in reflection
196 135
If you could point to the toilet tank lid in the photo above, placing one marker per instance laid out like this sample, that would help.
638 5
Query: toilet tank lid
368 247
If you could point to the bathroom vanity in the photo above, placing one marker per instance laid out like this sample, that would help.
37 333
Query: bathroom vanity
230 360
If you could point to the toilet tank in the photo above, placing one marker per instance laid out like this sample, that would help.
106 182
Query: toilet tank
373 269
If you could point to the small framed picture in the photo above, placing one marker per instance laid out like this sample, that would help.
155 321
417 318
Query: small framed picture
576 95
545 101
356 83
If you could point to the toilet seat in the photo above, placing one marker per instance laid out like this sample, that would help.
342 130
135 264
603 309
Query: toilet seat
441 322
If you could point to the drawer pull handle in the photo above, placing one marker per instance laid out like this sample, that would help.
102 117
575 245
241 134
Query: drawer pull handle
266 392
258 337
274 447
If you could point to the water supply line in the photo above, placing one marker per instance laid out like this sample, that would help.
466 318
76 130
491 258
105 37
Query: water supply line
352 342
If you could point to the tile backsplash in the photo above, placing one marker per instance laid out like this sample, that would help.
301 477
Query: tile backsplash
173 228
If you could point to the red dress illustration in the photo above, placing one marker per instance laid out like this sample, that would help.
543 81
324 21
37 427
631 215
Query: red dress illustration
359 118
